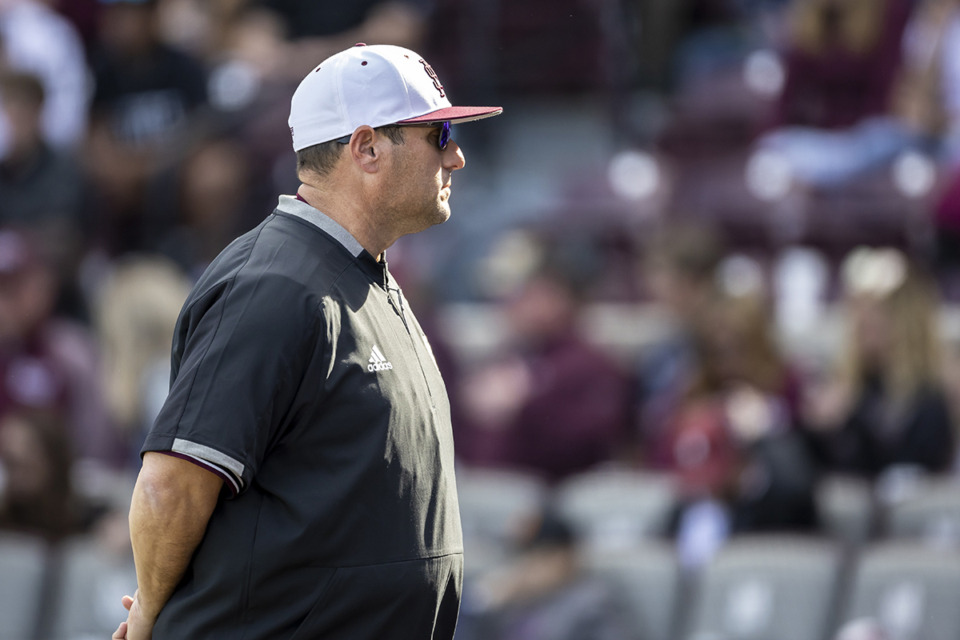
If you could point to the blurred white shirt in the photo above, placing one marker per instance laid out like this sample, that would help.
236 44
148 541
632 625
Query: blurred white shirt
36 39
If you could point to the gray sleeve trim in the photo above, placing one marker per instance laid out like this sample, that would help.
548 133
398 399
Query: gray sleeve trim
217 470
209 454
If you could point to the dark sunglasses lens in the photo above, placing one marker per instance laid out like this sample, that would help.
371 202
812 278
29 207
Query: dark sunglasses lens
444 136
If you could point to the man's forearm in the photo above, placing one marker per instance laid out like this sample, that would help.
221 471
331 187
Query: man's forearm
171 506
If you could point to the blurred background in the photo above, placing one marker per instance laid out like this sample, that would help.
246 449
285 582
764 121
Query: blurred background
697 305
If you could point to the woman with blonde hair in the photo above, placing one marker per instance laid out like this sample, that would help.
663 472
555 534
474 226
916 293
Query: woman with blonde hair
886 405
135 315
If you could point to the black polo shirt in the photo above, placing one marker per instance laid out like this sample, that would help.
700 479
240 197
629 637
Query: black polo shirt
302 377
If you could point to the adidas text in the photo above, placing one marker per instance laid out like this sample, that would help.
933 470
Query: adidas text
378 361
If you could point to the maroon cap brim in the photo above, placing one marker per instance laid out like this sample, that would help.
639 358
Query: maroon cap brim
456 114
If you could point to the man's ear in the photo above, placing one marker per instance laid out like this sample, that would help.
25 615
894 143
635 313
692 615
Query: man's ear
364 149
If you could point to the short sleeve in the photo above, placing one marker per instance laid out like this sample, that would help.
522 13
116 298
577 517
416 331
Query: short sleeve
240 353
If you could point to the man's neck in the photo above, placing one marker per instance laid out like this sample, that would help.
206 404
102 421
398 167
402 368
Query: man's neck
348 215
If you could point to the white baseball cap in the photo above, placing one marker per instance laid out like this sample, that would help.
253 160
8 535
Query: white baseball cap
372 85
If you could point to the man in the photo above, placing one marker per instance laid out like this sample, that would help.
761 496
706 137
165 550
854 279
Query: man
298 482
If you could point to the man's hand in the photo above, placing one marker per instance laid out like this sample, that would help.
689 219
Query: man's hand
137 625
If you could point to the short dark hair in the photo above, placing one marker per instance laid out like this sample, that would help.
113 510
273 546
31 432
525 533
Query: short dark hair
320 158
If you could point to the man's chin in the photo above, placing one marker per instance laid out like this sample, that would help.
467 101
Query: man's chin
438 216
443 213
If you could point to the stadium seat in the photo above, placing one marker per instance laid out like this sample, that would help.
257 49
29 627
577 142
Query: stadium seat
910 588
22 570
91 581
617 508
846 508
494 504
647 577
931 512
769 586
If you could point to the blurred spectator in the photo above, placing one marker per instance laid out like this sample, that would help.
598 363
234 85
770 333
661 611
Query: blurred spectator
213 203
911 97
523 47
305 33
679 269
732 439
262 48
37 461
83 15
147 96
48 363
256 52
544 594
554 404
927 100
531 63
715 35
136 311
886 404
841 60
35 39
40 188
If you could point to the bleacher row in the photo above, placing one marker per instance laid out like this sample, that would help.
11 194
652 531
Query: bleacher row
889 552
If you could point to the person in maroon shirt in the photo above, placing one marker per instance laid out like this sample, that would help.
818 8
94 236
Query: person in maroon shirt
555 404
836 119
841 61
49 363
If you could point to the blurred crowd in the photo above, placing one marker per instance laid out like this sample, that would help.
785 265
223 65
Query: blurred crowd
769 188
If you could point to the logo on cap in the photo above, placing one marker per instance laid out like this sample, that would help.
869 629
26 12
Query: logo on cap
433 76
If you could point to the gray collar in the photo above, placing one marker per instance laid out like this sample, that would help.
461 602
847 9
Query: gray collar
290 205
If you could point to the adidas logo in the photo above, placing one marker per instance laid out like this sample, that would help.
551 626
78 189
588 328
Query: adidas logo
378 362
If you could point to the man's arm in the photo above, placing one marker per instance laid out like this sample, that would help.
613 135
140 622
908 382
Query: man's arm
171 505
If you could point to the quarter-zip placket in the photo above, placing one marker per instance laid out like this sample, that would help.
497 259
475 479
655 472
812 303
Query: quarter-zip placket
398 307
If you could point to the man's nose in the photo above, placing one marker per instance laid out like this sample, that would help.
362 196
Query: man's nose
453 156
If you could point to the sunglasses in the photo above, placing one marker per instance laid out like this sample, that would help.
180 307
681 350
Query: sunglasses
444 135
442 141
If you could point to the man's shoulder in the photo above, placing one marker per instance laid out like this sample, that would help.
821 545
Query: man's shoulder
283 250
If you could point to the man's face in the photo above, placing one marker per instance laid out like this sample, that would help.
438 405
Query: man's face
418 186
